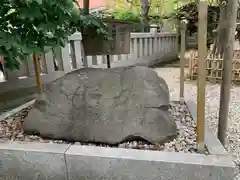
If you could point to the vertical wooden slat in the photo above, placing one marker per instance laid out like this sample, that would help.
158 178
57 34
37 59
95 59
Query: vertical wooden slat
108 61
150 46
170 44
158 44
190 62
130 55
23 71
155 45
124 57
140 47
30 65
104 59
66 59
114 58
146 45
58 58
99 60
135 48
173 45
78 54
164 44
94 60
72 53
127 38
118 39
161 44
89 61
120 57
84 58
167 44
49 62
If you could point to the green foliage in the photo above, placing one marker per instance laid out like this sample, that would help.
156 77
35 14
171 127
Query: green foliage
92 24
35 26
126 15
29 26
129 16
190 13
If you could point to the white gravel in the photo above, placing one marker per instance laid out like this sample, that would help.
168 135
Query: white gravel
171 75
186 139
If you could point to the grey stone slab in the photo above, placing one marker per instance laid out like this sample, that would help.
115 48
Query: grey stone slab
32 161
107 106
97 163
213 144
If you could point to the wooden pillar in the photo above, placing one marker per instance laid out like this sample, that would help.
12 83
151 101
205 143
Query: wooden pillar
182 59
227 70
201 82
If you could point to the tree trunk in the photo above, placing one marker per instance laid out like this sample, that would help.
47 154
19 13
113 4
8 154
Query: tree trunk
86 6
86 12
227 70
37 72
144 13
220 40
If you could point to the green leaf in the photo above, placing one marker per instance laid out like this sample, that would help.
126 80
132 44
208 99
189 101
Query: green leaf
39 1
38 25
8 46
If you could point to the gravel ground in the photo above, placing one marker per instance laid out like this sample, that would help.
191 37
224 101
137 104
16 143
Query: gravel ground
11 129
171 75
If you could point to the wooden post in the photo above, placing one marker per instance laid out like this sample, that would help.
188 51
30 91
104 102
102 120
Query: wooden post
201 83
86 6
182 59
178 35
227 70
108 61
86 12
37 72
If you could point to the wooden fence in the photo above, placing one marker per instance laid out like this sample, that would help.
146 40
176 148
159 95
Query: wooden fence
145 48
214 67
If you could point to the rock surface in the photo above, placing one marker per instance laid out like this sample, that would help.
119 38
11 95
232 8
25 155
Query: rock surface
105 106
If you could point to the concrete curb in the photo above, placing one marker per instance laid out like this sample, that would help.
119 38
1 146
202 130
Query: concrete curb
16 110
32 161
35 161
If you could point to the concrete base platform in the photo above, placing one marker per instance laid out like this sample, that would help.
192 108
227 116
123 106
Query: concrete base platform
32 161
39 161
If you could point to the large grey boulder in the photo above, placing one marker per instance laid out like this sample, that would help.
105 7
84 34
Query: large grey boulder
105 106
